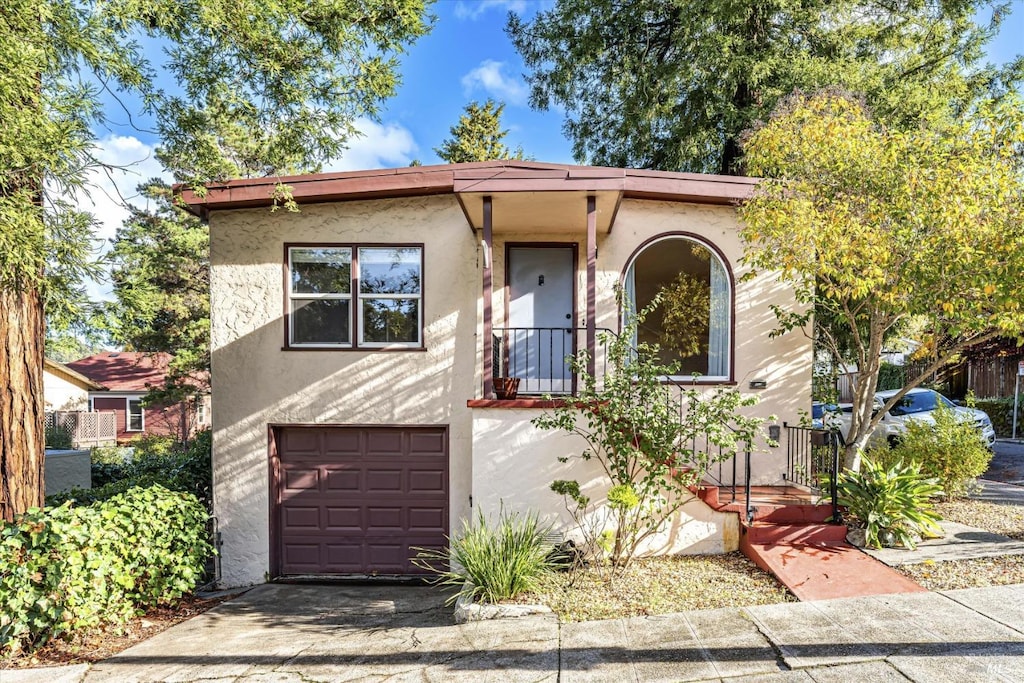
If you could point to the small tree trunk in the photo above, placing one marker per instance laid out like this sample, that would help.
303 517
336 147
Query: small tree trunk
22 439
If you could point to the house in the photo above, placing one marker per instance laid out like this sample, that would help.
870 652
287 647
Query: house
125 378
355 346
65 389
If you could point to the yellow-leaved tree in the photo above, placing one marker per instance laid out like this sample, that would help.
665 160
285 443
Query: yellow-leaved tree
872 225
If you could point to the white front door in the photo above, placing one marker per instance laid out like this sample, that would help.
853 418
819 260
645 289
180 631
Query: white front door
540 318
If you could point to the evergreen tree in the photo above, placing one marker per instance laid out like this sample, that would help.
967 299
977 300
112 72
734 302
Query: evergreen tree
273 84
478 136
671 84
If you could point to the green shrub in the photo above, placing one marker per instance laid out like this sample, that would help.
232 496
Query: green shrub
893 503
58 438
178 467
951 450
71 568
492 563
1001 412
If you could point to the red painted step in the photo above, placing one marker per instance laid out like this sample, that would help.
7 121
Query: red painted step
815 562
789 540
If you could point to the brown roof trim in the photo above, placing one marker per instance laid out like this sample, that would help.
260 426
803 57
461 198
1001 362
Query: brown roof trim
485 176
60 368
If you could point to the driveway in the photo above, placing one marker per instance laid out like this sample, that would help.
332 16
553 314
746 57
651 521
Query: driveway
285 633
1008 462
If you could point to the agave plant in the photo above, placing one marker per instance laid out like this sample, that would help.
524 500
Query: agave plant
894 503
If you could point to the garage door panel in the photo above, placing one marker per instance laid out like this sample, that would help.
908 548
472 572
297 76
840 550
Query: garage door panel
426 443
384 480
385 443
301 478
344 519
301 518
342 443
342 480
301 442
381 518
427 480
359 501
427 519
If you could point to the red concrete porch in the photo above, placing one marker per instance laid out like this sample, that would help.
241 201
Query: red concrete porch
791 539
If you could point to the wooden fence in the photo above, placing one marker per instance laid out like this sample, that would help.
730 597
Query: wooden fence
986 377
85 429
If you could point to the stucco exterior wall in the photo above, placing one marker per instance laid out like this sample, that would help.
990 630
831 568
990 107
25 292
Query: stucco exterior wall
256 384
66 470
61 394
515 463
783 362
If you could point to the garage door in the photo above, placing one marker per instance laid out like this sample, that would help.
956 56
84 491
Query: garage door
355 500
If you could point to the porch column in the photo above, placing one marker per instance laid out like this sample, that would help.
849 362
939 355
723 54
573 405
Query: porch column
591 283
488 294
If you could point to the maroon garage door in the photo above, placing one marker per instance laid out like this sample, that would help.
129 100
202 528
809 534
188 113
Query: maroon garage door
355 500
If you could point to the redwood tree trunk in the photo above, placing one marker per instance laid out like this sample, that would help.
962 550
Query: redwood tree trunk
22 440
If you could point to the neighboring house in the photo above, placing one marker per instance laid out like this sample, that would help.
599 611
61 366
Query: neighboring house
356 345
65 389
125 378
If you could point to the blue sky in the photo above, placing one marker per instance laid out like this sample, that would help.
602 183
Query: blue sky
466 57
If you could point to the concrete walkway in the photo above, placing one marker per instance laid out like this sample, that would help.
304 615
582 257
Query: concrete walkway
285 633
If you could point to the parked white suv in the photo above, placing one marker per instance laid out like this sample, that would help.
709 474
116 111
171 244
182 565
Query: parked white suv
917 405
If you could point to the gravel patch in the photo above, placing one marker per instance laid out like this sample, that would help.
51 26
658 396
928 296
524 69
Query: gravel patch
988 571
1007 520
660 585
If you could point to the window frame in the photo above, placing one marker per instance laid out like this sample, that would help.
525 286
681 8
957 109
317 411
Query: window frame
704 379
356 342
128 414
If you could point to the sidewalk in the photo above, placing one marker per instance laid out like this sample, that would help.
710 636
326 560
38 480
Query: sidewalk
286 633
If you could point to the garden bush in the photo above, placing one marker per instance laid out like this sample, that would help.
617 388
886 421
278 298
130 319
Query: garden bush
892 502
1001 412
70 568
155 460
491 563
58 438
951 450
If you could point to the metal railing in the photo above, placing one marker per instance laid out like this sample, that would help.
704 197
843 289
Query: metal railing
84 429
539 357
812 461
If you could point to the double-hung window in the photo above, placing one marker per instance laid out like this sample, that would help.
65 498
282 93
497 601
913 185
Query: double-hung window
350 296
134 415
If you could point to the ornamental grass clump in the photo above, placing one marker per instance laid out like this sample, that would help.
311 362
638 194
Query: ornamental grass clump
893 503
492 562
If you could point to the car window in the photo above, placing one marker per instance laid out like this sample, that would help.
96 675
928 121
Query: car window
919 402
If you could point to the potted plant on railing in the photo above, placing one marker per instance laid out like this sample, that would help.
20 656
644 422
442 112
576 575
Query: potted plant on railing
506 387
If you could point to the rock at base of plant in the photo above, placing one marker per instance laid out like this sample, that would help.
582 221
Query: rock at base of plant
857 537
467 610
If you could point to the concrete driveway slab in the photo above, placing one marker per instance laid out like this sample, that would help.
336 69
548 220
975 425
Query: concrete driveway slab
286 634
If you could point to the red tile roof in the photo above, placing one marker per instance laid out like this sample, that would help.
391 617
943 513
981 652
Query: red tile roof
124 370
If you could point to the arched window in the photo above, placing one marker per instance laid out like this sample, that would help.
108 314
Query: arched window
693 324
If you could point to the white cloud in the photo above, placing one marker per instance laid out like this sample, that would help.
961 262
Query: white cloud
380 146
489 78
107 190
472 9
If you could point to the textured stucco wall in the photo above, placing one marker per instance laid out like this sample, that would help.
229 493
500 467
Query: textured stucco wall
784 362
256 384
66 470
60 394
495 454
515 463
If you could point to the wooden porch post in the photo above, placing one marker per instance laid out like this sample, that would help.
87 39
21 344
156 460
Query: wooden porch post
488 294
591 283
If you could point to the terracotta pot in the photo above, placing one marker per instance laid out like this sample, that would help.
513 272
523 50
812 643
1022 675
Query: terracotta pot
506 387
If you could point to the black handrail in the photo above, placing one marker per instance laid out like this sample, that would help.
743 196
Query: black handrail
810 454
